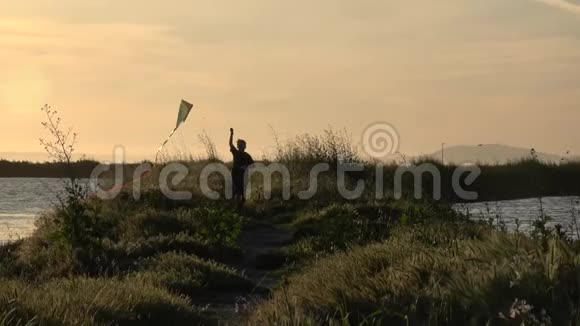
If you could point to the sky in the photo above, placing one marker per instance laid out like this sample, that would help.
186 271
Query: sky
453 71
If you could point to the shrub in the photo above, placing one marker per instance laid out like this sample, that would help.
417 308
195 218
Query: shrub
219 227
8 258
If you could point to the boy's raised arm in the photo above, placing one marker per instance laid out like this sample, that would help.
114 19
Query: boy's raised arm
232 147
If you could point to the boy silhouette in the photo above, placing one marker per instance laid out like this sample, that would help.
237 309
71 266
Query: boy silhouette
242 161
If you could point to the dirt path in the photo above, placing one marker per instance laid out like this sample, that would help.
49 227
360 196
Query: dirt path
261 263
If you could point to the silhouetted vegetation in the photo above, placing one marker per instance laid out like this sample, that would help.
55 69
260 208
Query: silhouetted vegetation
21 169
528 178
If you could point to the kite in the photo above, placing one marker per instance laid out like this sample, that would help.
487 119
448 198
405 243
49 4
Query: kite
184 109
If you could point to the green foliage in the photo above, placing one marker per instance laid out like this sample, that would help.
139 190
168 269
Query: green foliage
9 257
217 226
49 252
115 240
339 227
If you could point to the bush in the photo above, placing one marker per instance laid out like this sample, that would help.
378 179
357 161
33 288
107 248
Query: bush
118 240
217 226
43 258
8 258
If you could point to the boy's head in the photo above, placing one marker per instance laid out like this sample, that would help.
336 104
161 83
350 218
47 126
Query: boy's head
241 145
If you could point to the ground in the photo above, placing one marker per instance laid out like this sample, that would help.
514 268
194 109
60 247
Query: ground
262 263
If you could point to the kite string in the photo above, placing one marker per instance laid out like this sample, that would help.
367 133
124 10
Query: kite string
163 145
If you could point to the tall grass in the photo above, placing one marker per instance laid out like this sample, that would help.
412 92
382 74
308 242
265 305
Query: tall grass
518 179
330 147
439 274
90 301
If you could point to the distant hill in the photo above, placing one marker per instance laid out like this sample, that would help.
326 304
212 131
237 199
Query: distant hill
492 154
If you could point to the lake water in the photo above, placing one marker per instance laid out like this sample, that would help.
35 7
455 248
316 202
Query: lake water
560 210
22 200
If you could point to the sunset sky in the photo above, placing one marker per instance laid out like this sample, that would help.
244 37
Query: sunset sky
453 71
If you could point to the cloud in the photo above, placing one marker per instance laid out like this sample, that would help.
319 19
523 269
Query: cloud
563 4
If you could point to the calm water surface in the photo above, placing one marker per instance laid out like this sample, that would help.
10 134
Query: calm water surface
560 210
21 201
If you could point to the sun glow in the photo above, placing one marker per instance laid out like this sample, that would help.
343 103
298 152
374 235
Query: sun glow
23 90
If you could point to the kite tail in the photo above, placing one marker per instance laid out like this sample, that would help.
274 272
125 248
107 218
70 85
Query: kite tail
163 145
184 110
